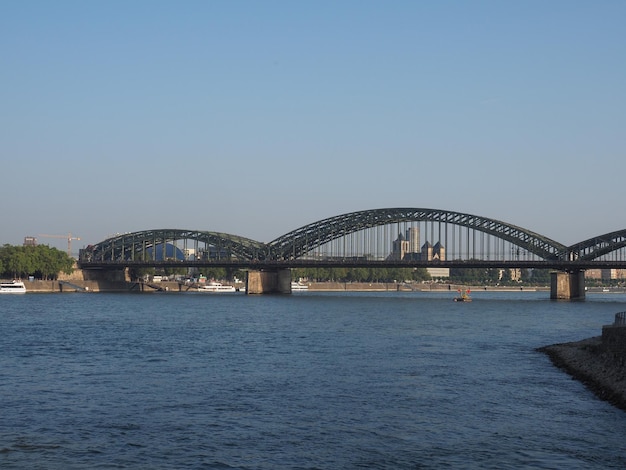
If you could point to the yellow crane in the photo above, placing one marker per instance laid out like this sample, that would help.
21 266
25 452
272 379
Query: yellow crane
69 238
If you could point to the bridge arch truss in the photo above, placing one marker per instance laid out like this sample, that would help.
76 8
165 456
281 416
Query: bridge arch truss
610 246
361 236
174 244
464 236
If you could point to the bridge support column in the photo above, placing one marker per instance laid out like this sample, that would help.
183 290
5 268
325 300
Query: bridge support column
567 285
269 282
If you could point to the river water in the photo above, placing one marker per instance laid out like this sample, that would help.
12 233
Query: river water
307 381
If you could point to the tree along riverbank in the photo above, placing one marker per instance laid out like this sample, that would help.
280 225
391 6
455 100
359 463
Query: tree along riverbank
589 362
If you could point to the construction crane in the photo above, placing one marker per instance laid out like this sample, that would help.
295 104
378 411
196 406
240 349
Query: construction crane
69 238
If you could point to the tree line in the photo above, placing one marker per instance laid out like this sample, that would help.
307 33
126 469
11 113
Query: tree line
41 262
361 274
468 276
499 277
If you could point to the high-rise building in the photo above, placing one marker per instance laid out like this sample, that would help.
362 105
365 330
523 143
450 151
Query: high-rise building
400 247
413 236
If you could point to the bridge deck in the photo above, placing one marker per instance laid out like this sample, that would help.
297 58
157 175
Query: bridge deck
348 263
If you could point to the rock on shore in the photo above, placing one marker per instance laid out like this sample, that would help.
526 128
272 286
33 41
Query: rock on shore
603 372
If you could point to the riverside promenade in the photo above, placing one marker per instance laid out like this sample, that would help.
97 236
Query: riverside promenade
78 285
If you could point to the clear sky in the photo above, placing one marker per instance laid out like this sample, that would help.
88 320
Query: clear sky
258 117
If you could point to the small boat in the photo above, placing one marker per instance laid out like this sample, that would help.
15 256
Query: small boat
463 296
216 287
13 287
298 286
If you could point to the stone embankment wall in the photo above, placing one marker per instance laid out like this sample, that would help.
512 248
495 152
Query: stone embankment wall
614 336
353 286
417 287
81 281
89 286
597 362
117 283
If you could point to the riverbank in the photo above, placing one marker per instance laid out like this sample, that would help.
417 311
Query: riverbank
76 285
588 361
62 286
412 287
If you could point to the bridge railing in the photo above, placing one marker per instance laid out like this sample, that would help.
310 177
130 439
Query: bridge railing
620 319
353 263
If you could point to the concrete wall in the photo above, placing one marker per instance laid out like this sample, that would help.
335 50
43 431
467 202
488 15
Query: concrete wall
90 286
95 275
614 339
269 282
567 286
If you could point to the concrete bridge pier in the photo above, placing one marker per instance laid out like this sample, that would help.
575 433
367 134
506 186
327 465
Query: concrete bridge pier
276 281
567 285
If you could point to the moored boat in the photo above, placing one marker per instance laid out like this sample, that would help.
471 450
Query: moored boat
216 287
297 286
12 287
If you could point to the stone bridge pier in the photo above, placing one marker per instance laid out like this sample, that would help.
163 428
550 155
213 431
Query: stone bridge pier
567 285
275 281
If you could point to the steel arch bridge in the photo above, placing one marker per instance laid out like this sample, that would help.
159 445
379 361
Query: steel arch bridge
138 246
300 241
598 247
449 227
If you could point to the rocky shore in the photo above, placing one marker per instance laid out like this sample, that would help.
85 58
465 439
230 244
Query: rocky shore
589 361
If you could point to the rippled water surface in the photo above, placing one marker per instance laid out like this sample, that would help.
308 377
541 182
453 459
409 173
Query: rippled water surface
307 381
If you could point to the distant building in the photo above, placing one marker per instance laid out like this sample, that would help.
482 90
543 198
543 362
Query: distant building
439 252
605 274
435 252
593 274
413 236
514 273
407 247
399 248
30 241
438 272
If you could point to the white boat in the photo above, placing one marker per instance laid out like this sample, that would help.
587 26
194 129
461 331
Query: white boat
295 286
13 287
216 287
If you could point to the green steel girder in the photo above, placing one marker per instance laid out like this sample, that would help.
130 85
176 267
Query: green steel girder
130 246
296 243
597 247
292 245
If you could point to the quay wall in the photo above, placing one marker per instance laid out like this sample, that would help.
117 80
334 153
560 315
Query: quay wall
89 286
416 287
102 286
120 285
598 362
614 339
119 281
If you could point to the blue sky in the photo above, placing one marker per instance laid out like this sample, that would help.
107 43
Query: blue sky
258 117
